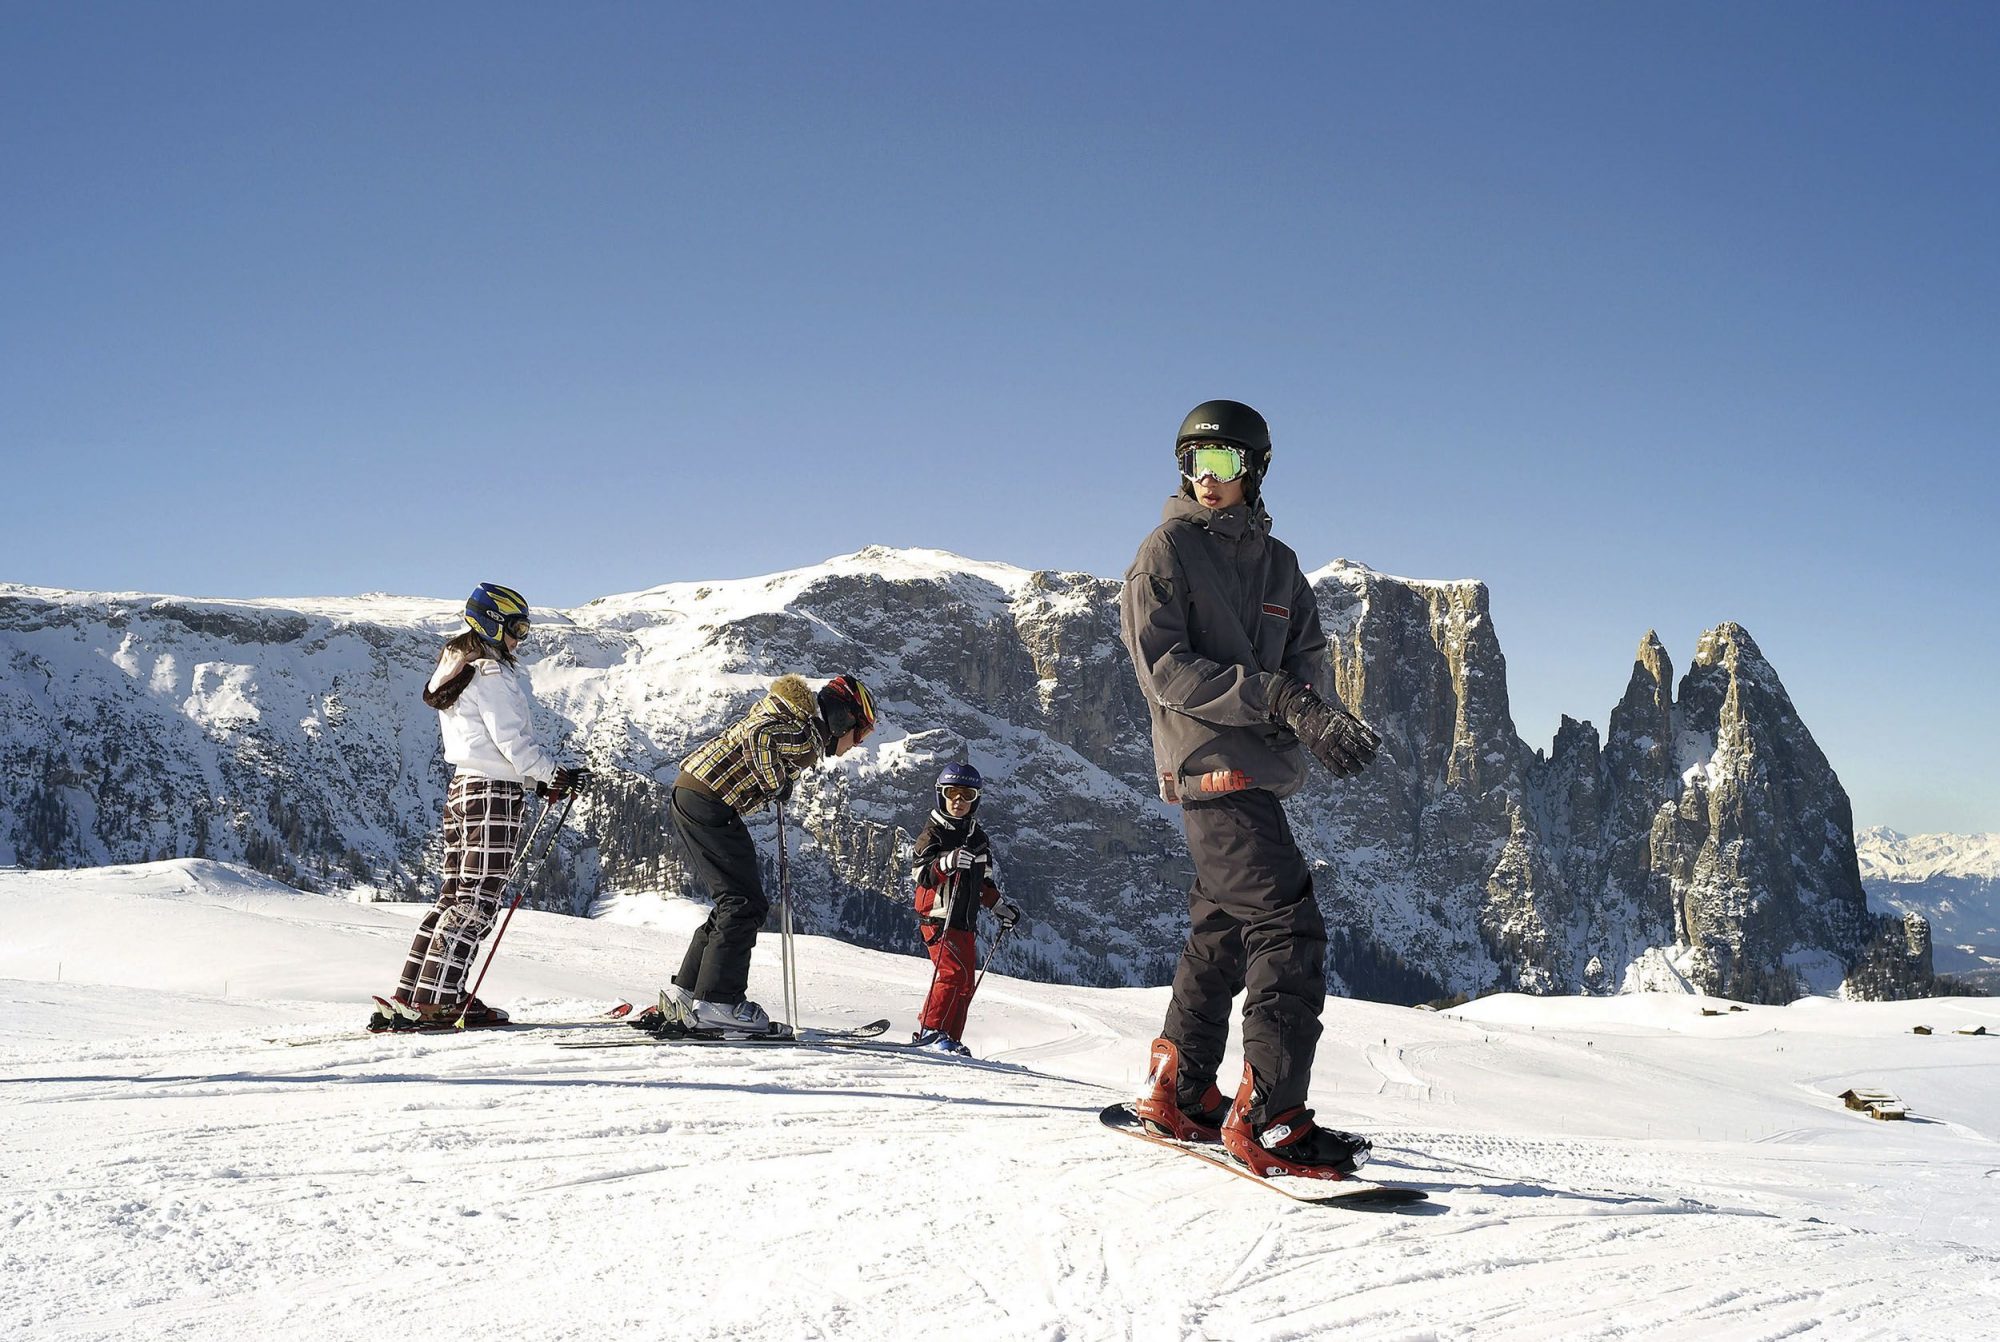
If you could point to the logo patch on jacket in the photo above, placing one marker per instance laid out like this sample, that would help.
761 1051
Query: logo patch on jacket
1278 611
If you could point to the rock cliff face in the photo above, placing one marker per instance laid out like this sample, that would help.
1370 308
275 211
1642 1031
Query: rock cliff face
1705 827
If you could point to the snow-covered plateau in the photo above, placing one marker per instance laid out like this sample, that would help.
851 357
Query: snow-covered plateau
177 1165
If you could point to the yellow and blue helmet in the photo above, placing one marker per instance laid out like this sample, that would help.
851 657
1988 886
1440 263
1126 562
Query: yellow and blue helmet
492 611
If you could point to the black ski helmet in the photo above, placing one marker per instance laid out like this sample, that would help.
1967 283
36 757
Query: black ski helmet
1230 422
1225 422
959 774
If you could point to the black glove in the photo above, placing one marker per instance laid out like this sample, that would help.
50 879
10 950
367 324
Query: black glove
1008 914
566 782
1334 737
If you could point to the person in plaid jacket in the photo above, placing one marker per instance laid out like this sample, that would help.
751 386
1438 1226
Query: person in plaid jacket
752 763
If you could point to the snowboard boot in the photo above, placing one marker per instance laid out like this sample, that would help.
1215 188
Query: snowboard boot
1290 1144
1169 1111
744 1017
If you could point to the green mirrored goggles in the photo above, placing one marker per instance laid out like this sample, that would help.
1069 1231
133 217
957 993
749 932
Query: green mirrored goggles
1220 460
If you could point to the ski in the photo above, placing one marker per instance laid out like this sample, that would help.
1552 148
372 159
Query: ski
613 1016
1349 1192
781 1033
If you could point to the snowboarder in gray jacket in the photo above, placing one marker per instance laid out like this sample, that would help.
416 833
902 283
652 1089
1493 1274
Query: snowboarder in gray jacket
1225 636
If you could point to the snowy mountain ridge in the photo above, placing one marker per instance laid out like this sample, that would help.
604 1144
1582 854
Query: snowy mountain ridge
1911 858
1952 881
289 735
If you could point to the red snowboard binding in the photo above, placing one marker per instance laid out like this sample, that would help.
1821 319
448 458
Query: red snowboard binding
1160 1107
1291 1144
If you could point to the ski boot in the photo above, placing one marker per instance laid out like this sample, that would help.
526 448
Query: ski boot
442 1015
390 1014
1168 1112
744 1017
1289 1144
476 1014
672 1018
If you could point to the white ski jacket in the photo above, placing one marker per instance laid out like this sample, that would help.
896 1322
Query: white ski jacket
489 732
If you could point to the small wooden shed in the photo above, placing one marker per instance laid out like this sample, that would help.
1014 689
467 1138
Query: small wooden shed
1875 1103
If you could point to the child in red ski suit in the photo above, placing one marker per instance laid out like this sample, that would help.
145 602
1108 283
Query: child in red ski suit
954 861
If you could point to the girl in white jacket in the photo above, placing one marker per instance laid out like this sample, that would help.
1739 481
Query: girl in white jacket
484 711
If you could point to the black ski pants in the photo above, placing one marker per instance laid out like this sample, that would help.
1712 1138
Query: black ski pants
716 967
1253 925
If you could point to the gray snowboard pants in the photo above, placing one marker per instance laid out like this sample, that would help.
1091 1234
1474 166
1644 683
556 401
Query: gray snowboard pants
1253 924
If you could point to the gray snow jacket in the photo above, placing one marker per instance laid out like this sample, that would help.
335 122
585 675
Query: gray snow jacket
1212 606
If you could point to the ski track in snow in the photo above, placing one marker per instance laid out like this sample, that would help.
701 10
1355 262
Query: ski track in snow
1614 1170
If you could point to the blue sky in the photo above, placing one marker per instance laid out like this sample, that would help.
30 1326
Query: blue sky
1649 316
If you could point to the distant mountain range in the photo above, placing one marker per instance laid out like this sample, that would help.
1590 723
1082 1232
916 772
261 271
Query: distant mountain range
1953 881
1701 841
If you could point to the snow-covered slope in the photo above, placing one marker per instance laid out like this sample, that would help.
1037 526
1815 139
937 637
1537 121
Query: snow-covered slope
1953 880
1598 1167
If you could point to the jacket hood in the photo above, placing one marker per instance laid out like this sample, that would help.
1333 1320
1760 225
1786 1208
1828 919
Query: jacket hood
794 698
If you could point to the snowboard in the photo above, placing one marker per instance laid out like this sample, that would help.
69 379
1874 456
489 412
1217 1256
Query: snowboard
1348 1192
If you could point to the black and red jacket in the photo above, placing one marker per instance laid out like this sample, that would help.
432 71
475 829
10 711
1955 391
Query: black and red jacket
941 895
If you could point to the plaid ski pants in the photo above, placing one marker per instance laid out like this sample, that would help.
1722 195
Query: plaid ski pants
482 827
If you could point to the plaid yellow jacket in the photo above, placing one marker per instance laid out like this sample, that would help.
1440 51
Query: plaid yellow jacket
757 758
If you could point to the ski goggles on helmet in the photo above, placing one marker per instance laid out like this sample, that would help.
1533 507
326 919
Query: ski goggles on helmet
959 792
515 626
1222 461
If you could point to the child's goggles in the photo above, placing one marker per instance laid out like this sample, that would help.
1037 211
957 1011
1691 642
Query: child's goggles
957 793
1218 460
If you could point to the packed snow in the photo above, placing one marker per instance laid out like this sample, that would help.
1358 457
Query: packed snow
178 1164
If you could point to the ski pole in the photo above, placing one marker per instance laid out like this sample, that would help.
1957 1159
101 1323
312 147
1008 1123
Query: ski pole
519 858
992 954
787 966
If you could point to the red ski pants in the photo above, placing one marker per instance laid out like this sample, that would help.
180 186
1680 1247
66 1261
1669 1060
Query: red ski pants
956 958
